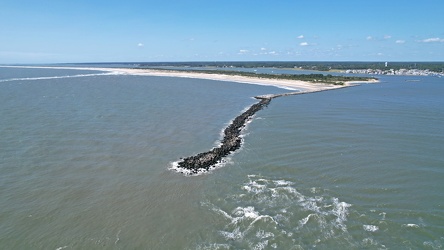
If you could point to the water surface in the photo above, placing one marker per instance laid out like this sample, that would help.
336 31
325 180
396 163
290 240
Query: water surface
85 165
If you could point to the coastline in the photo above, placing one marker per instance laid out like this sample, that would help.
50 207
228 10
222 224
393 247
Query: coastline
294 85
232 139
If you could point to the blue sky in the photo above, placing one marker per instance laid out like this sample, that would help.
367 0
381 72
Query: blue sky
195 30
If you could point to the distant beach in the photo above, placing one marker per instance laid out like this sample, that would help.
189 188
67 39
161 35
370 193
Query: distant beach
280 83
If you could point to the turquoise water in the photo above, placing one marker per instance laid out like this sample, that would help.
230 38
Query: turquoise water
85 164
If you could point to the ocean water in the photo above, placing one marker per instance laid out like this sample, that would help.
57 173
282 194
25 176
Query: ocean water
85 163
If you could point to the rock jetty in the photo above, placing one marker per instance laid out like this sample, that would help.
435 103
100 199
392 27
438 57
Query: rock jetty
231 141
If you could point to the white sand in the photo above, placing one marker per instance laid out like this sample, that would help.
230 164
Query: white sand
281 83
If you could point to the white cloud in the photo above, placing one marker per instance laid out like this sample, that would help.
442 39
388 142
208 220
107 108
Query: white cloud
303 44
263 49
400 41
301 36
243 51
433 40
375 38
140 45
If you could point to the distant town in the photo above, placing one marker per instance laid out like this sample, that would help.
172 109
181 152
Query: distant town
405 72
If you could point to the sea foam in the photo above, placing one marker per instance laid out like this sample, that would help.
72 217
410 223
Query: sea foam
58 77
266 210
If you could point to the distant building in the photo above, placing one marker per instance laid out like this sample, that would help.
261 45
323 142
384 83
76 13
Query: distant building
386 63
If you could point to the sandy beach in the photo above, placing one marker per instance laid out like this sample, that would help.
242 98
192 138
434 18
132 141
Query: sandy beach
287 84
293 85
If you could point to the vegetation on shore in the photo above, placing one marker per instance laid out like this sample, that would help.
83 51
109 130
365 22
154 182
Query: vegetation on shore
311 65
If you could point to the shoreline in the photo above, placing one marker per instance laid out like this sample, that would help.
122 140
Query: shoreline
294 85
232 138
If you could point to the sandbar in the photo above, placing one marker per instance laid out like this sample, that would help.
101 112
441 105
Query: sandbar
295 85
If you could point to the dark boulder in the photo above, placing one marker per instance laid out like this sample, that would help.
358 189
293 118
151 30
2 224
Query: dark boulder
230 142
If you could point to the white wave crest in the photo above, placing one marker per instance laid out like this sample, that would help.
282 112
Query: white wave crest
304 221
341 211
260 245
270 211
58 77
214 246
410 225
370 228
187 172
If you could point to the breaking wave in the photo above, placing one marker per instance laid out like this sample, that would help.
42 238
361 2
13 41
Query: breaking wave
58 77
272 214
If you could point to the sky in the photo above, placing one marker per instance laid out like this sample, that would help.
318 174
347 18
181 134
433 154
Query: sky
62 31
